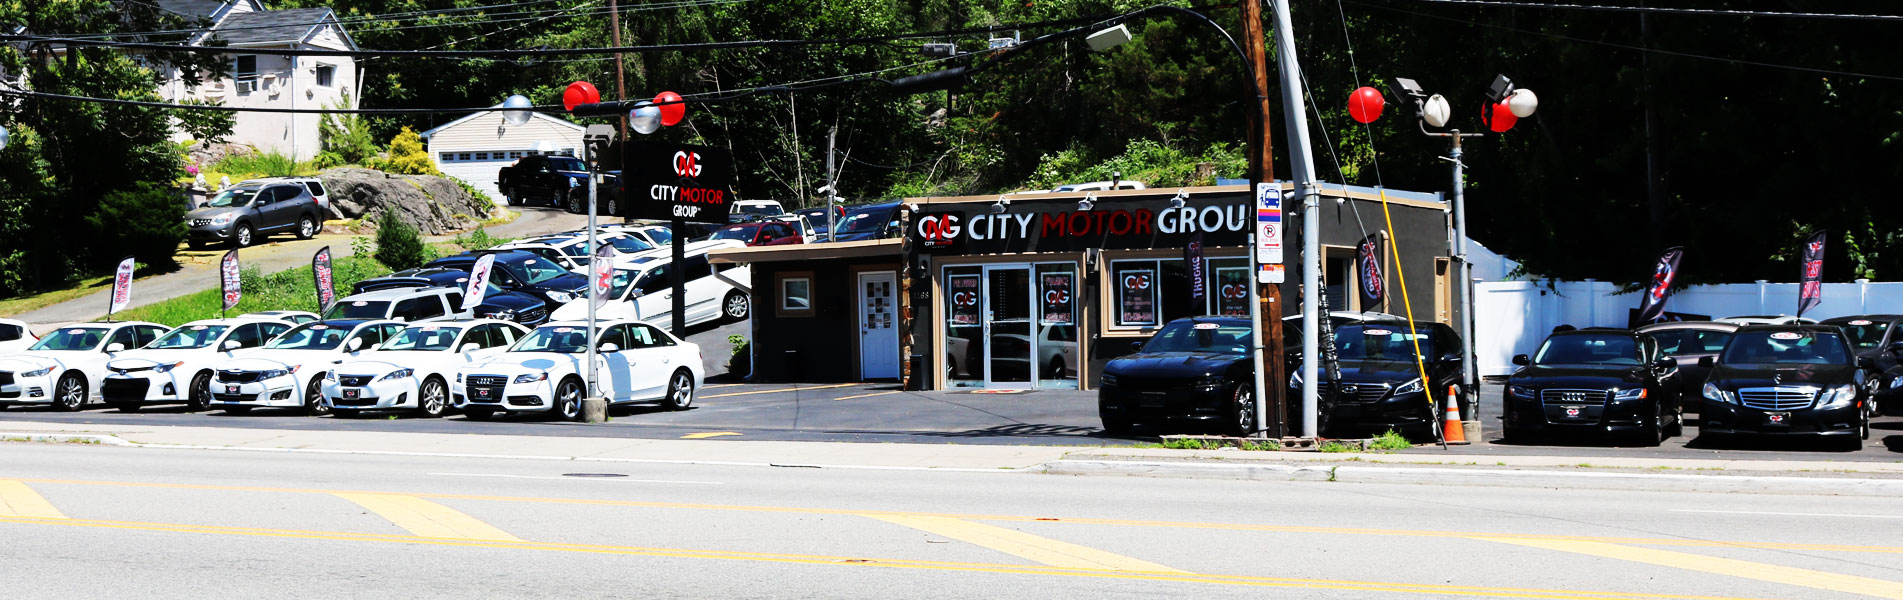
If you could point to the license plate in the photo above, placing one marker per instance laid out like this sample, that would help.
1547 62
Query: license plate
352 393
482 392
1777 418
1573 412
1154 399
231 389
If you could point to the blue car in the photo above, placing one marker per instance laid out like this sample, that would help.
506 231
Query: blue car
497 303
870 222
524 272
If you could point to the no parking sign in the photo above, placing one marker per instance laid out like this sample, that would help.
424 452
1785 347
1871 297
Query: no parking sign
1268 234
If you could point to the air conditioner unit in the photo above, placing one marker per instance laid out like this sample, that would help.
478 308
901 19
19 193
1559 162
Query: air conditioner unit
246 86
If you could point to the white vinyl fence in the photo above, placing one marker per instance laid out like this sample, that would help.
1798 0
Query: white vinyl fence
1513 317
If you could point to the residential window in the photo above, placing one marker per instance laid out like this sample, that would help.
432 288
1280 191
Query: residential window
796 294
515 154
462 156
482 156
326 75
244 71
448 156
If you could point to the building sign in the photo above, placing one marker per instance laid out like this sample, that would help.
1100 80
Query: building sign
1136 297
964 299
1232 292
1058 299
1057 225
677 181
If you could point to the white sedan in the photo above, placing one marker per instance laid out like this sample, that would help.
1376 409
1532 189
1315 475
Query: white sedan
177 368
544 373
412 369
15 337
289 371
64 369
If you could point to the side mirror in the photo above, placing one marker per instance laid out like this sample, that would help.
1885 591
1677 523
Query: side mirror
354 344
469 347
204 205
610 347
1666 363
1450 357
1896 346
1522 360
115 347
230 345
1707 362
1864 362
1136 346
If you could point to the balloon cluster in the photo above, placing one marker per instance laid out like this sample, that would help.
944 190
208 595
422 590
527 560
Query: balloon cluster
1365 104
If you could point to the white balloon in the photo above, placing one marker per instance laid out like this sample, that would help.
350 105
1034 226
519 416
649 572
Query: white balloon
1436 111
1522 103
516 109
3 138
645 118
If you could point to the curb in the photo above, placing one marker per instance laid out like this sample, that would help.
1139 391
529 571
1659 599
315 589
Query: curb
1488 477
64 438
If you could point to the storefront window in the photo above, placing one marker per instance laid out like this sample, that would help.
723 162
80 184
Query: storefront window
1228 287
1150 292
964 327
1057 352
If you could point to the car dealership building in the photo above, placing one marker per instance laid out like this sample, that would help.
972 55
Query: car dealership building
1037 291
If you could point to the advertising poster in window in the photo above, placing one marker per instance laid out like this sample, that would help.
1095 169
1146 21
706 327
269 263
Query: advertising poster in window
964 299
1057 298
1232 292
1136 297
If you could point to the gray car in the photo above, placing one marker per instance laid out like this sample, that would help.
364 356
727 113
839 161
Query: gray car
244 214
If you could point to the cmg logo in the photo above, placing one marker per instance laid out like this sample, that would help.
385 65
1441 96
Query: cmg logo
687 164
938 230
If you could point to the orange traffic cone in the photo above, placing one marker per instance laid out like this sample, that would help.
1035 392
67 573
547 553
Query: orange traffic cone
1452 432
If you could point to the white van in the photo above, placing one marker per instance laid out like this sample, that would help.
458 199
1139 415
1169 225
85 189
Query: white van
642 289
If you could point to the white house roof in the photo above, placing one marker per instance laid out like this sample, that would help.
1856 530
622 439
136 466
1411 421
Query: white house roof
535 115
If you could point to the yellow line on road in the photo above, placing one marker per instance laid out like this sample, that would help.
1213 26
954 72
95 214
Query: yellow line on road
1024 545
18 500
707 434
867 395
1835 582
791 389
719 385
852 561
428 519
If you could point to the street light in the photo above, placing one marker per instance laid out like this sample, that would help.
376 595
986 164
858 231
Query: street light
515 109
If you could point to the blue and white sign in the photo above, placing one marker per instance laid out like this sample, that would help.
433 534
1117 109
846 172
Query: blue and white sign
1268 232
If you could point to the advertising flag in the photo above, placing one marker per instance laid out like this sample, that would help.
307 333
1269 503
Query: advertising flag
604 273
1193 256
478 281
1368 256
320 270
1812 291
228 278
1652 303
121 287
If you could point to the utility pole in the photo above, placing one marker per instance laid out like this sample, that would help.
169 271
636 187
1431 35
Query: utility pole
621 83
1266 304
832 183
1303 171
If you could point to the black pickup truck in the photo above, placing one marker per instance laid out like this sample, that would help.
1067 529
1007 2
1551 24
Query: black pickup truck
544 178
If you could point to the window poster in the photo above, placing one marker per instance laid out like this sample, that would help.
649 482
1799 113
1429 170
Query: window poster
1136 297
1232 292
964 299
1058 298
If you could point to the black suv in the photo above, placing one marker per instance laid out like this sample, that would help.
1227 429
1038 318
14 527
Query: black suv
1875 337
1604 381
497 303
524 272
543 177
244 214
1194 369
1381 385
1788 380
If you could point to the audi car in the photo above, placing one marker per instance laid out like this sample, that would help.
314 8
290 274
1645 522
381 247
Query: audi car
1784 380
543 372
1609 382
1193 370
412 370
1381 384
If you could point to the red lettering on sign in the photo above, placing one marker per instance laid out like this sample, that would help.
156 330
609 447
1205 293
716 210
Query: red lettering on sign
1051 224
1143 221
1119 222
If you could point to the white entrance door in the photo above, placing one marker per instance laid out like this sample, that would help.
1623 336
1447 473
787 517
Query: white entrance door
878 326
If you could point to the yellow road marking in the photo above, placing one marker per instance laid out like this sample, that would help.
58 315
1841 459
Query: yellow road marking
1024 545
18 500
791 389
428 519
868 395
719 385
705 435
1017 518
1835 582
853 561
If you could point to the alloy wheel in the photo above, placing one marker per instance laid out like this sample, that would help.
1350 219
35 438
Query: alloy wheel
568 400
432 399
305 228
314 398
72 394
1244 423
199 396
244 236
681 395
737 306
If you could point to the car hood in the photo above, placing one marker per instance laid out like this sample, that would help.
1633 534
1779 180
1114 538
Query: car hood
30 361
206 213
515 301
258 364
854 237
567 282
146 358
517 363
1742 376
1174 364
1574 376
370 367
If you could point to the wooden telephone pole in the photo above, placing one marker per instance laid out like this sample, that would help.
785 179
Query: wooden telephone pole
1269 295
621 83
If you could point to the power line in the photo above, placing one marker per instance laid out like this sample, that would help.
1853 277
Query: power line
400 16
1674 11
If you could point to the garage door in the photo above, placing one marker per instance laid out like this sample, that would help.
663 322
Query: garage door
477 168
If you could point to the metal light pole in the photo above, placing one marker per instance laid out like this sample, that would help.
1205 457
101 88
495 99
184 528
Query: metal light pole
1294 114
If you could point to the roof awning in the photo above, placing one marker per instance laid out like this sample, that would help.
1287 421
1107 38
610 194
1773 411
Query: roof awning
759 254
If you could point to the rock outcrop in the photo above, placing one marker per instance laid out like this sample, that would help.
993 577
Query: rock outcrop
435 205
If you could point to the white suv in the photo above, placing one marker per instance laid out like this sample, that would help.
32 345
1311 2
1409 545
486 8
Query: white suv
413 368
288 372
15 337
177 367
571 250
408 304
64 369
544 372
641 288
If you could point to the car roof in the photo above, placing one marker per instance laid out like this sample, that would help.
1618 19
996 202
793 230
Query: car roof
1595 331
231 321
341 323
1810 327
393 293
1841 320
1702 325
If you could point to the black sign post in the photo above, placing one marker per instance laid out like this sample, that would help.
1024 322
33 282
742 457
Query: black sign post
680 184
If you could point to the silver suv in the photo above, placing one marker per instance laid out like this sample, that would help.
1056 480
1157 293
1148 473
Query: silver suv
243 214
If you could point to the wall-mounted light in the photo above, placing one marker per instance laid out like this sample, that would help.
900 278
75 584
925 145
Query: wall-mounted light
1000 205
1179 199
1089 202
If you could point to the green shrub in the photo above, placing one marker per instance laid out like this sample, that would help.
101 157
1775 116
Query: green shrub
347 139
741 363
252 166
479 239
1390 441
147 222
399 245
487 202
408 156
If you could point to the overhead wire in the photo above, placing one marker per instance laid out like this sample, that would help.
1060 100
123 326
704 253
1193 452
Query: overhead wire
1722 12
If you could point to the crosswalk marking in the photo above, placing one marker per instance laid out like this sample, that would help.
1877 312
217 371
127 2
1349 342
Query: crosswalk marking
428 519
1836 582
18 500
1024 545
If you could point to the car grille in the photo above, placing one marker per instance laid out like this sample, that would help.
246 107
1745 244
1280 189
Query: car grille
353 380
495 391
1573 396
1357 392
531 316
353 401
487 380
200 222
6 378
238 376
129 389
233 397
1154 384
131 370
1777 398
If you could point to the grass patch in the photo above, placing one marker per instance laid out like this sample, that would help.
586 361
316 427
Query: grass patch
24 304
1390 441
284 290
1338 447
479 240
266 164
1214 444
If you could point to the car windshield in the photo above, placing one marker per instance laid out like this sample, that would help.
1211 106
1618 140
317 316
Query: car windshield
432 338
311 336
233 197
359 309
1588 349
71 338
618 284
660 235
566 164
743 233
569 340
1187 336
188 337
536 269
815 220
759 209
628 245
1382 342
1680 342
865 221
1864 334
1783 347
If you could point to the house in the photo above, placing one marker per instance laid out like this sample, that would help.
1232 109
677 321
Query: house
263 81
474 147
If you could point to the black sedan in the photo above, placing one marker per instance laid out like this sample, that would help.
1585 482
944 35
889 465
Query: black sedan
1778 380
497 303
519 271
1875 337
1599 381
1687 342
1381 385
1195 370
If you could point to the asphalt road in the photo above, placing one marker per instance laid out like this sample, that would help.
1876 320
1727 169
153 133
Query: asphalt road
153 523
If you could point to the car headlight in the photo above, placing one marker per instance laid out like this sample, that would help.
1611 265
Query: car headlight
167 368
1837 397
561 297
1413 385
1521 391
459 378
275 373
330 375
397 374
1713 393
39 373
1295 378
573 182
1211 383
221 220
1106 380
1631 394
531 378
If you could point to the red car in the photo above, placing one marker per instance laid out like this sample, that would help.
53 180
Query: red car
761 233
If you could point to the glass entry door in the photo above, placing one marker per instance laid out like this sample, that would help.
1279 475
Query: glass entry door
1011 326
1008 327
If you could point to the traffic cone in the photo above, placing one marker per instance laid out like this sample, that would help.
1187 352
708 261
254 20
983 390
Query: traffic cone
1452 432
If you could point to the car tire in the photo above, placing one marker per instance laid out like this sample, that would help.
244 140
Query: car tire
70 393
314 404
736 306
1055 370
680 390
568 399
126 407
576 204
243 235
1241 412
1115 425
306 227
432 399
199 396
238 410
479 414
613 207
1653 434
509 198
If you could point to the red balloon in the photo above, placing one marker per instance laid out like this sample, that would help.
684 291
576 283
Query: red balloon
1499 118
580 92
672 110
1365 104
